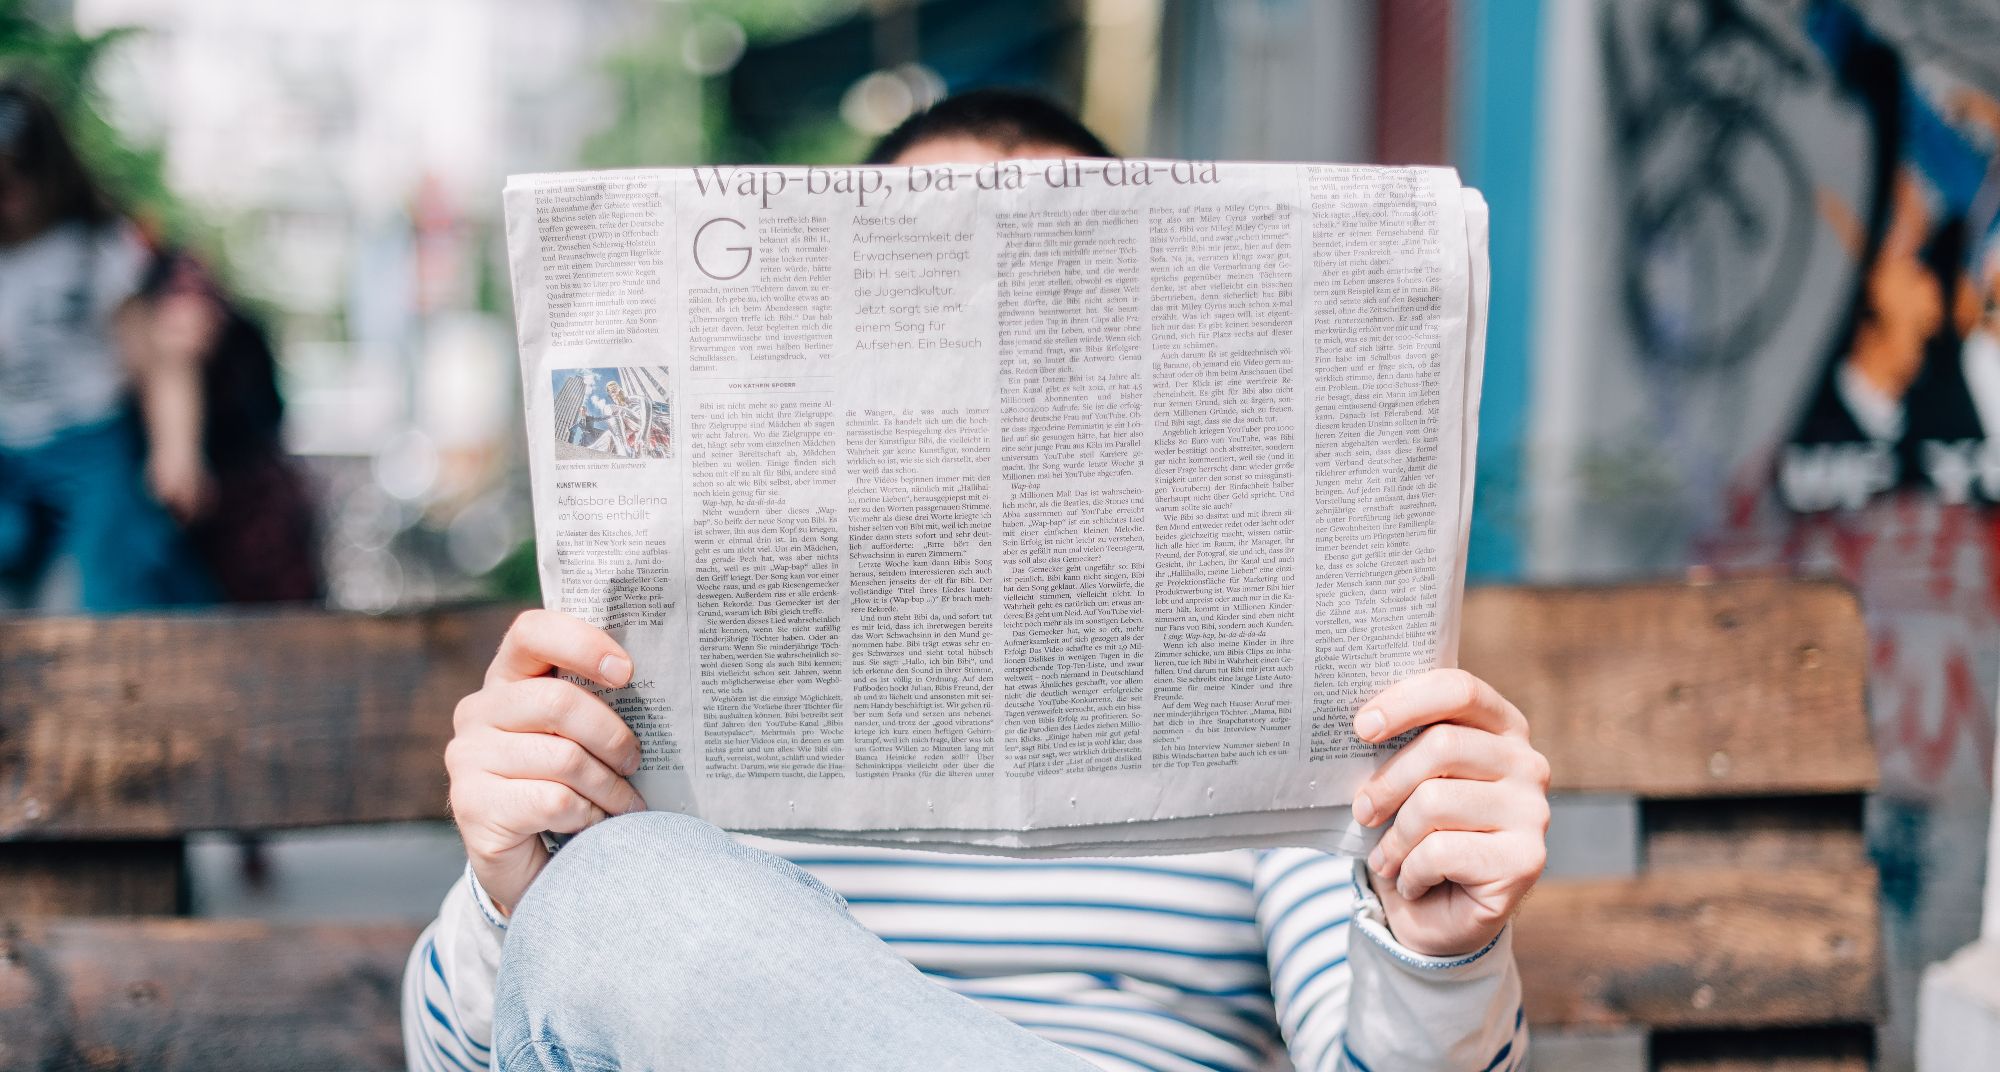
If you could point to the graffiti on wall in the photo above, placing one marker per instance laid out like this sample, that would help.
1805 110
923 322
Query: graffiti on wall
1911 385
1879 467
1807 284
1718 204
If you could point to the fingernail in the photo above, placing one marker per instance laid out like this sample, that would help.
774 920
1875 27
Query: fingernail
638 807
1364 810
631 767
1403 891
1368 724
1375 859
614 670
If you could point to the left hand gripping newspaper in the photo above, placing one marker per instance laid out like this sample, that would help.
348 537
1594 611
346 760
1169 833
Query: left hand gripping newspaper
1041 507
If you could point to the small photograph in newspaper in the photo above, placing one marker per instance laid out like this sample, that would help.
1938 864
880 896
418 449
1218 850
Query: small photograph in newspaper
613 412
1039 507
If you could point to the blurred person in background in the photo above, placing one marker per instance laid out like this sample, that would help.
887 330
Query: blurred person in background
139 409
100 420
655 940
255 528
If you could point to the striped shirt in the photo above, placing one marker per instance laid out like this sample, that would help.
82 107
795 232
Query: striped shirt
1221 962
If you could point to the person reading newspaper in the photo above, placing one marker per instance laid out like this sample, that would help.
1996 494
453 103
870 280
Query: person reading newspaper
655 940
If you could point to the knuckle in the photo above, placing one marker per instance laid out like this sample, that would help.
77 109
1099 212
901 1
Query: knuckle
1462 688
1406 851
1396 842
552 698
1453 745
1539 770
571 762
1536 859
1418 805
1392 856
463 712
545 753
1541 814
1416 856
549 801
1416 859
1427 749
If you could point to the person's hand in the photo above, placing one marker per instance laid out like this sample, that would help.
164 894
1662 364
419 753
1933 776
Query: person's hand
531 752
1470 804
166 343
180 481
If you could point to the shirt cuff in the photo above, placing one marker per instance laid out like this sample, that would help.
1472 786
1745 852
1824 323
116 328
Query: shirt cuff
1371 920
491 914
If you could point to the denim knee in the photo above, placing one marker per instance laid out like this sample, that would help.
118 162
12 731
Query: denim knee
641 846
667 855
637 893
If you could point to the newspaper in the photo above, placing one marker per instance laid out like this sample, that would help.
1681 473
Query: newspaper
1042 507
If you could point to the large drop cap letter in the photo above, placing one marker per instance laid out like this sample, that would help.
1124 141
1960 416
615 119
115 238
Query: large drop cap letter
710 255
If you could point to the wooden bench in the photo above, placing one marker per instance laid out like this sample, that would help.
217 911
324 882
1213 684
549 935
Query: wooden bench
1732 713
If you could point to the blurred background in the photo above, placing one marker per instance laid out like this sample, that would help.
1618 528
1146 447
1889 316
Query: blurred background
1746 305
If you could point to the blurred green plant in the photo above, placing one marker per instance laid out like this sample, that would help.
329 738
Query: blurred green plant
61 63
777 20
658 114
667 111
517 579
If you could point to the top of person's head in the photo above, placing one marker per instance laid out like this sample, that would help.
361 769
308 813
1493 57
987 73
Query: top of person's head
1009 120
40 155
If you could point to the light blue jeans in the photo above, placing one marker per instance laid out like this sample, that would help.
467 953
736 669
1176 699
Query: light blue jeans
655 941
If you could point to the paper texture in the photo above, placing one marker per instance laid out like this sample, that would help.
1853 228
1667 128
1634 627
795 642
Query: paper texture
1041 507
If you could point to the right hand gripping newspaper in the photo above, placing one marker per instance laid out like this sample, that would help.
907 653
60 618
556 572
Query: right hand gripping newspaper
1042 507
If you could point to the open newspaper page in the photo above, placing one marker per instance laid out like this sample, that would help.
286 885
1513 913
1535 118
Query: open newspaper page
1037 507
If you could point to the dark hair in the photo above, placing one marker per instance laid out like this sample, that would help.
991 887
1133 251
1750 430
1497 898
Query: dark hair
1008 118
32 137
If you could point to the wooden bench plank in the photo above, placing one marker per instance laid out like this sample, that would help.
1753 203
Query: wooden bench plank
1696 699
150 726
99 878
1740 688
201 995
1757 833
1703 949
1849 1049
1682 950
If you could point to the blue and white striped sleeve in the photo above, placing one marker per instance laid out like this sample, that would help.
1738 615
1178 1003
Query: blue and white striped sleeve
1305 909
448 984
1353 999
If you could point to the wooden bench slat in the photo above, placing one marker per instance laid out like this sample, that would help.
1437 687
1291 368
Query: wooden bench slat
1735 689
1849 1049
119 735
201 995
100 878
1758 833
1703 949
157 725
1741 688
1674 950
